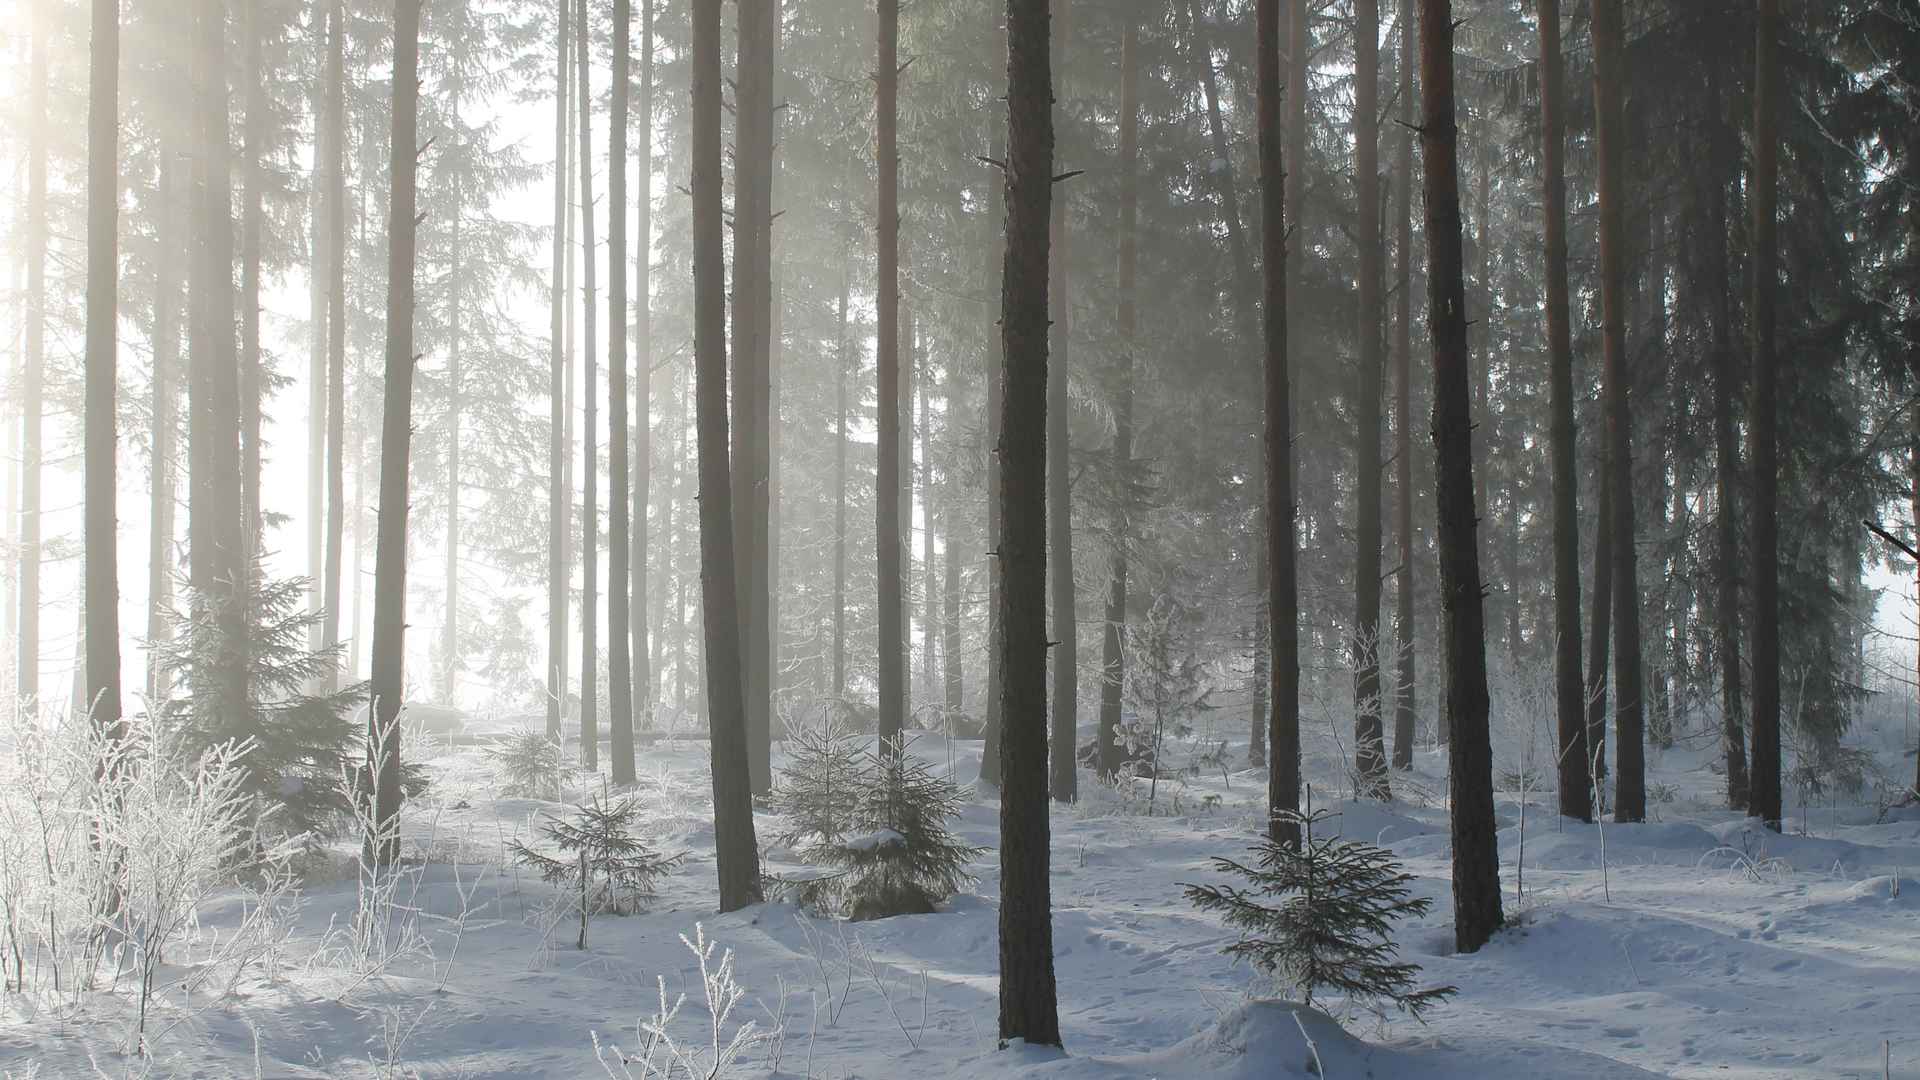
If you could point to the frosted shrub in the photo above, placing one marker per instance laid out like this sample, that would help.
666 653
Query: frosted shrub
661 1055
529 765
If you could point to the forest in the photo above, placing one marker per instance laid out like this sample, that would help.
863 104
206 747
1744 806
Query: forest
1096 539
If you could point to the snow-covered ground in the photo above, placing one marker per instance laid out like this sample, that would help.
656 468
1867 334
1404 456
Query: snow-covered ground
1692 946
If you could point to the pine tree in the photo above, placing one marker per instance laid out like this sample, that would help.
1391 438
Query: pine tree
102 601
1764 798
615 870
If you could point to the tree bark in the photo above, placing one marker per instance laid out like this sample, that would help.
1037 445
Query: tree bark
735 848
1404 715
590 394
33 392
102 588
1066 632
642 435
1476 864
842 358
888 546
1283 591
252 213
390 555
335 407
1029 1006
1370 760
929 565
164 427
559 497
1630 797
996 397
1576 791
619 614
1763 800
1113 656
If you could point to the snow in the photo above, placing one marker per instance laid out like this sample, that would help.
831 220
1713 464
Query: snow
1701 947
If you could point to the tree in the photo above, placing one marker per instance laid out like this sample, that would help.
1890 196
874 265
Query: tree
559 495
619 625
335 151
1763 801
1476 869
1029 1008
1723 155
252 211
164 426
396 432
888 523
1630 795
736 852
1404 715
1066 633
643 376
1370 760
1576 794
32 401
1283 588
1113 659
590 389
102 603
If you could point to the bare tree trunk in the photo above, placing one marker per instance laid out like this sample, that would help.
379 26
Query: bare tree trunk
1630 798
1576 794
164 429
1029 1007
1283 589
1763 800
317 277
643 381
1066 632
449 673
32 395
102 588
1404 715
336 372
254 135
736 851
1113 658
559 498
390 555
888 537
619 614
840 495
1370 759
996 396
1476 861
590 392
929 566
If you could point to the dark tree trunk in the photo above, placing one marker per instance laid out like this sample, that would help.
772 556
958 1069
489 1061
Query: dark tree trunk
1066 633
1763 800
758 32
217 546
390 555
165 426
1029 1007
735 849
590 437
559 501
1576 793
1370 760
336 374
1599 637
1630 795
1476 860
1113 656
102 588
996 396
619 500
888 525
1403 699
1283 589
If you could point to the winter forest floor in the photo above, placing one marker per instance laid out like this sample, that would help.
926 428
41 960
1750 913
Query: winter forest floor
1695 945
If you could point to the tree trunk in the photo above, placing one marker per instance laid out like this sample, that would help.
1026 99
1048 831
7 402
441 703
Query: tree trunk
840 496
1630 795
1763 800
1404 716
33 392
1476 860
643 382
1029 1006
449 672
336 373
1370 760
1283 589
752 307
1066 633
735 849
996 396
102 588
559 500
317 276
619 613
888 541
1600 637
1576 793
390 554
590 393
1113 657
164 427
254 136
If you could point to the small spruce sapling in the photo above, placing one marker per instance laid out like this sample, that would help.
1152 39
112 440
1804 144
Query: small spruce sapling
1331 927
819 790
1166 686
613 869
530 765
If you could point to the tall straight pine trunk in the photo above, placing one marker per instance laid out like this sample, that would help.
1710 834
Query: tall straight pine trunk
1404 714
164 426
33 390
1066 633
590 393
642 436
1370 759
396 433
1029 1007
252 223
888 525
736 854
1113 655
1283 589
102 571
1476 864
559 498
619 550
336 373
1763 800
